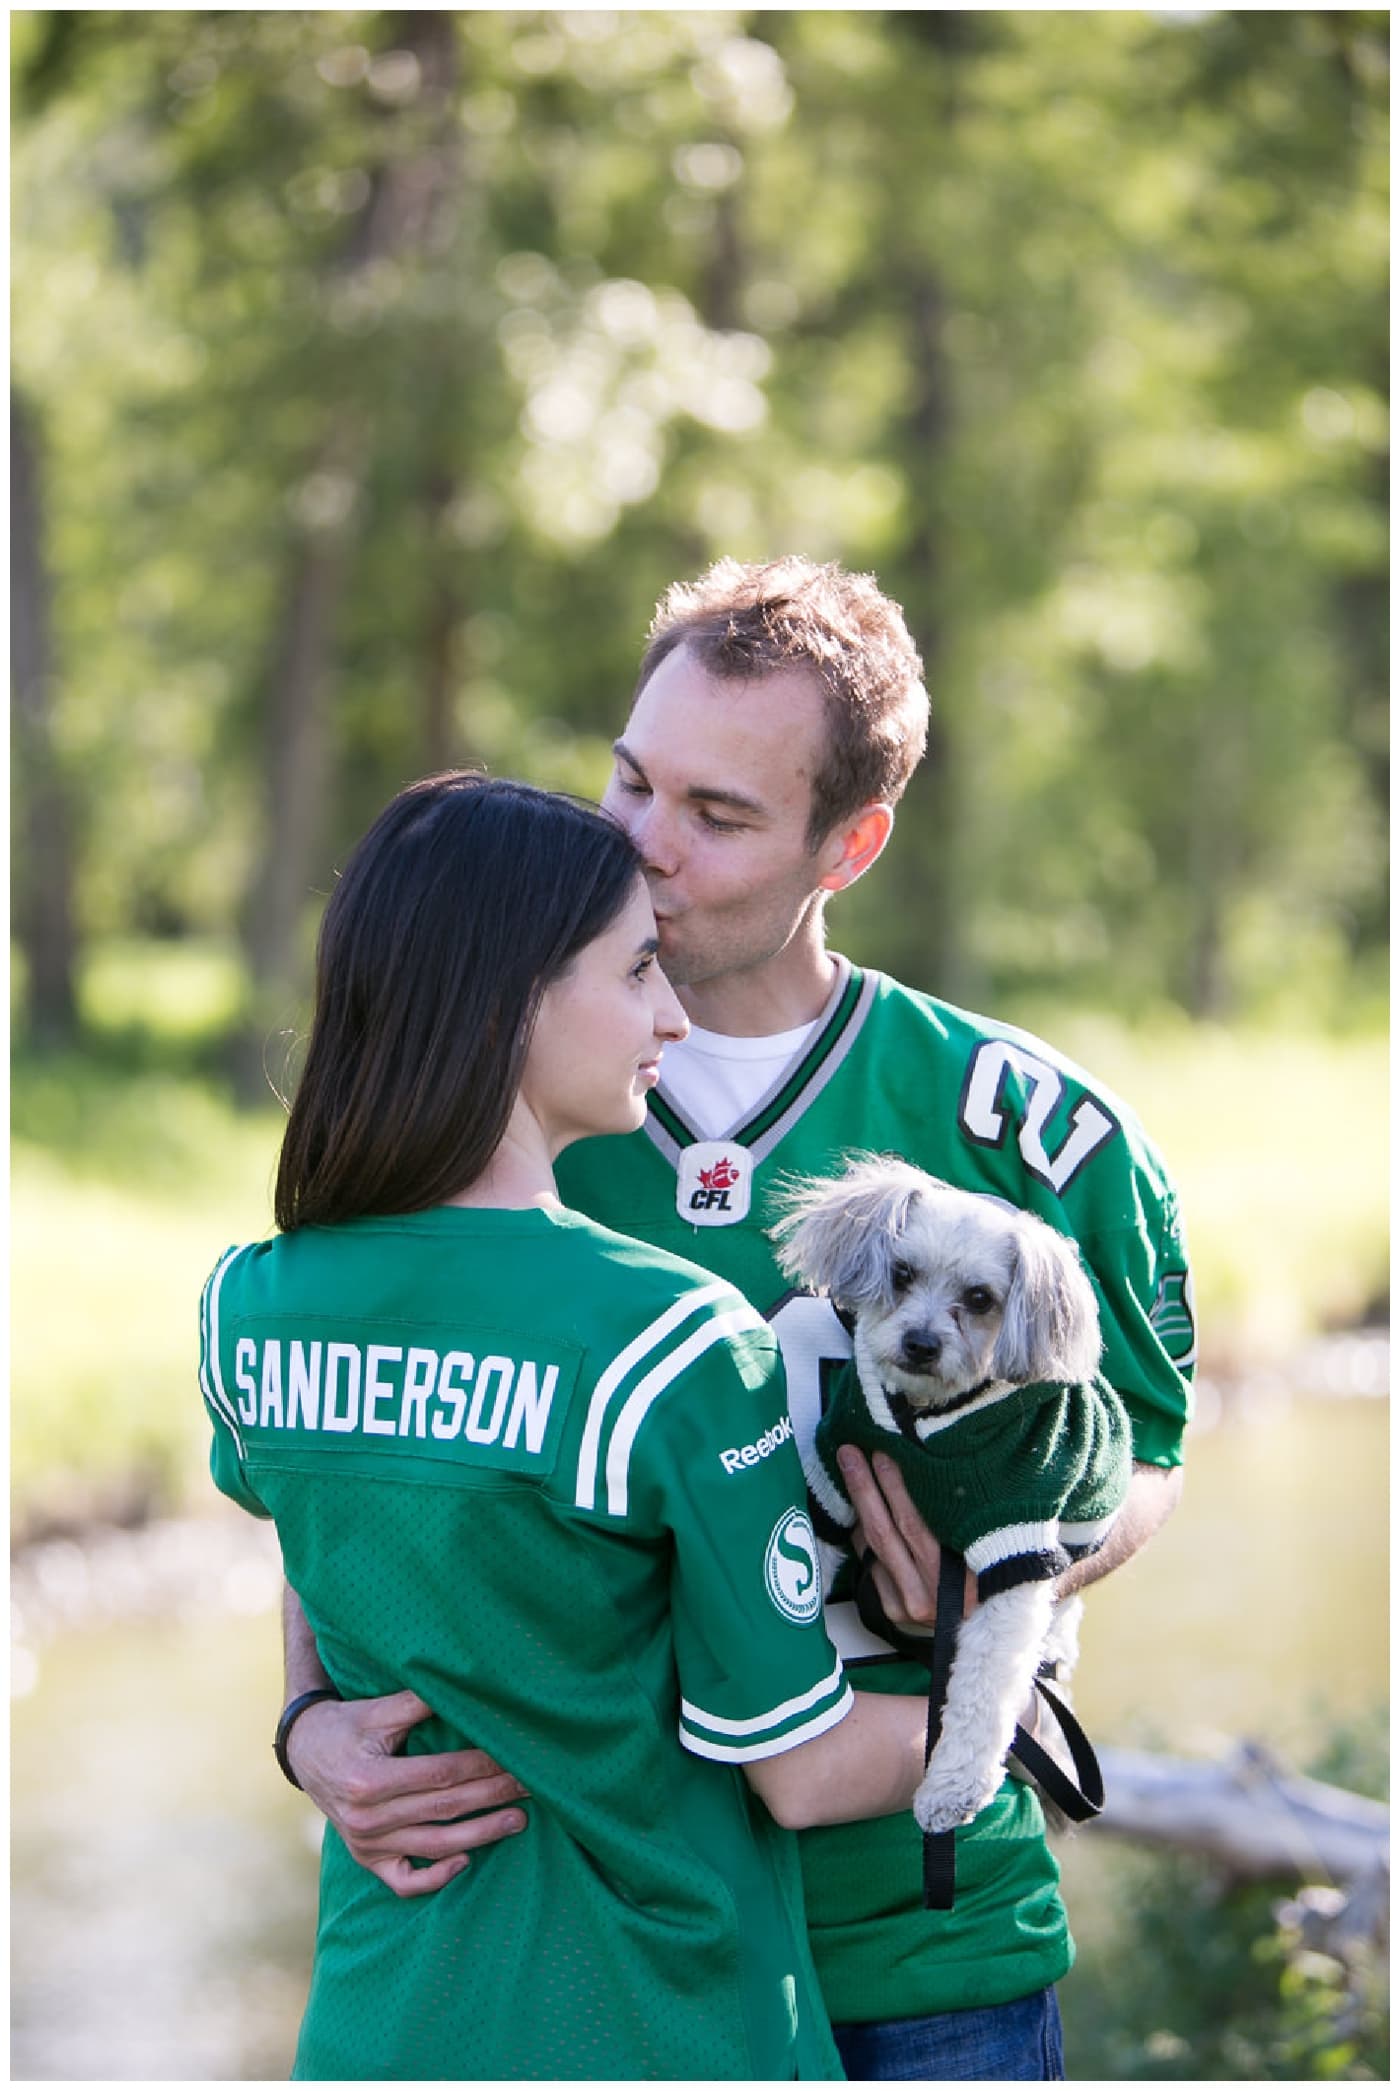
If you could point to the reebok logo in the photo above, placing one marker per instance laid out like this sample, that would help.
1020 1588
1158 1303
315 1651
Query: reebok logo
738 1457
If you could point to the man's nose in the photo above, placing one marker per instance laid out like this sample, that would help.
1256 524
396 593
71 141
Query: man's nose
656 836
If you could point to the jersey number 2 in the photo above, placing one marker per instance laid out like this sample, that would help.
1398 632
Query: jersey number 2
985 1115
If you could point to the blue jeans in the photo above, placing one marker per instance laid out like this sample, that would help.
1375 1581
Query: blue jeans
1004 2041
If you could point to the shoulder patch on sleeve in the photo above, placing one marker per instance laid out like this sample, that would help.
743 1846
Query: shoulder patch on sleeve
1173 1316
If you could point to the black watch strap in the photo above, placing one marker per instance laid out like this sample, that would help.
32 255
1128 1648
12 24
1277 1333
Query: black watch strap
291 1714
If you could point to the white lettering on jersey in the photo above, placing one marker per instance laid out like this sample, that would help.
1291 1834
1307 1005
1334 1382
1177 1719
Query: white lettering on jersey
419 1374
377 1389
304 1386
498 1372
531 1406
502 1402
456 1361
244 1358
271 1408
985 1118
332 1417
738 1457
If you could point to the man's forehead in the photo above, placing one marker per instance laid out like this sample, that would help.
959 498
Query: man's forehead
751 737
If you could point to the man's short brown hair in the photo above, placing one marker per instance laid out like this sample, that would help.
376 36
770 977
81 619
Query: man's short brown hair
744 622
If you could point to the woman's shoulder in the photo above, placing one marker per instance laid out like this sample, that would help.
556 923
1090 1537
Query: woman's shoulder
648 1274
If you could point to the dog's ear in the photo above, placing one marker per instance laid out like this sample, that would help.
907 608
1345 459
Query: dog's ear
836 1233
1050 1323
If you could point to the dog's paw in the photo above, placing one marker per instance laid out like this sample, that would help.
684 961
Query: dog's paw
944 1803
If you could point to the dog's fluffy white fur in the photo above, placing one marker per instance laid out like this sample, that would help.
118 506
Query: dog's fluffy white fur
950 1292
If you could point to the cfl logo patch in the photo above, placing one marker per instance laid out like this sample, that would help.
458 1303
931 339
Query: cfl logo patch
714 1183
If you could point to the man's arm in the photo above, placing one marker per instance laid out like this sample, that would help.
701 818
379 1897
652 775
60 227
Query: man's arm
390 1809
870 1763
1153 1494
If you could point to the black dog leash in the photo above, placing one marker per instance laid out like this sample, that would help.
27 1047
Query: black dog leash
934 1652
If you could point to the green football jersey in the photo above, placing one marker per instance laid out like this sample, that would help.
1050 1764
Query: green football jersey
544 1476
989 1109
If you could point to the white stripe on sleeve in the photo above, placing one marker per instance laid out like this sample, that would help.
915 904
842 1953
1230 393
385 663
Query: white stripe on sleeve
634 1410
764 1720
585 1490
750 1753
210 1377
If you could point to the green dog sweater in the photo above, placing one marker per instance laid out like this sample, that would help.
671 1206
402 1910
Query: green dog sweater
1020 1481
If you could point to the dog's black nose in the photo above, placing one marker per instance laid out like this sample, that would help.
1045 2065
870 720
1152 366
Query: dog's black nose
922 1349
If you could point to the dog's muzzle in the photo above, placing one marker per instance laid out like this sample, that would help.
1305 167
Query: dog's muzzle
920 1349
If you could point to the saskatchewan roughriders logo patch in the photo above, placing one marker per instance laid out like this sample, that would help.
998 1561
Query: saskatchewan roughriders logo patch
790 1568
1173 1316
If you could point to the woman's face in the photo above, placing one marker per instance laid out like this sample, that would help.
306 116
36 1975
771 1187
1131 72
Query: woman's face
597 1041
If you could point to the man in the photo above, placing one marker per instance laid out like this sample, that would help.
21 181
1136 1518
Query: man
778 716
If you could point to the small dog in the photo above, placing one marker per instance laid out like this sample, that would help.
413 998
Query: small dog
977 1345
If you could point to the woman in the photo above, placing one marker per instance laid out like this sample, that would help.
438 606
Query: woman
535 1470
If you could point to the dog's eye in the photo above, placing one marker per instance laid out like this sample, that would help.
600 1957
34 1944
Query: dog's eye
901 1276
979 1299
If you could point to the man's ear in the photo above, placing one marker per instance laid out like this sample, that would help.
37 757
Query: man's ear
852 848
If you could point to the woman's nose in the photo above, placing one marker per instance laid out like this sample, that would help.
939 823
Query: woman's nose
671 1021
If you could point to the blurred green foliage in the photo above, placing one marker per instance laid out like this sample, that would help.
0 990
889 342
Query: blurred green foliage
380 369
1186 1977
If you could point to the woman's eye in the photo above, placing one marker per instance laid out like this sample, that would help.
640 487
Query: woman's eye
643 967
979 1299
901 1276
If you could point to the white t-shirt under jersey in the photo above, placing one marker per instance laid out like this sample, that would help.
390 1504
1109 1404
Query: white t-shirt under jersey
715 1081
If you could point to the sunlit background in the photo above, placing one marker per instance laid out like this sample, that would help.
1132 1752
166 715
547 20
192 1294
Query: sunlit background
372 375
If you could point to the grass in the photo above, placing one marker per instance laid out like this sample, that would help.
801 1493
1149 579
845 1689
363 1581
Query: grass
132 1170
1279 1146
125 1189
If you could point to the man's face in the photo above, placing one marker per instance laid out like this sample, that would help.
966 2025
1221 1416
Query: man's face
713 781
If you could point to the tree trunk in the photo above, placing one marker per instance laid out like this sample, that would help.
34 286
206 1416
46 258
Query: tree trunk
42 848
445 611
295 768
722 289
398 221
932 799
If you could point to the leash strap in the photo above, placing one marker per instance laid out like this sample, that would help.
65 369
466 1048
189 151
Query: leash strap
1081 1802
935 1652
940 1864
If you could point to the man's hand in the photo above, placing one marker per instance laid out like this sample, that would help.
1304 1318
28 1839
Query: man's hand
906 1553
389 1809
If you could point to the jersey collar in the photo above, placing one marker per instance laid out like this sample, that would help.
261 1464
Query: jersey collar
796 1088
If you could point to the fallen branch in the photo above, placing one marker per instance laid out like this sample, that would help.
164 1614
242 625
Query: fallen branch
1258 1819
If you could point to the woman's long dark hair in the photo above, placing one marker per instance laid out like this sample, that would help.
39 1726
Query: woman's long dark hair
467 897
